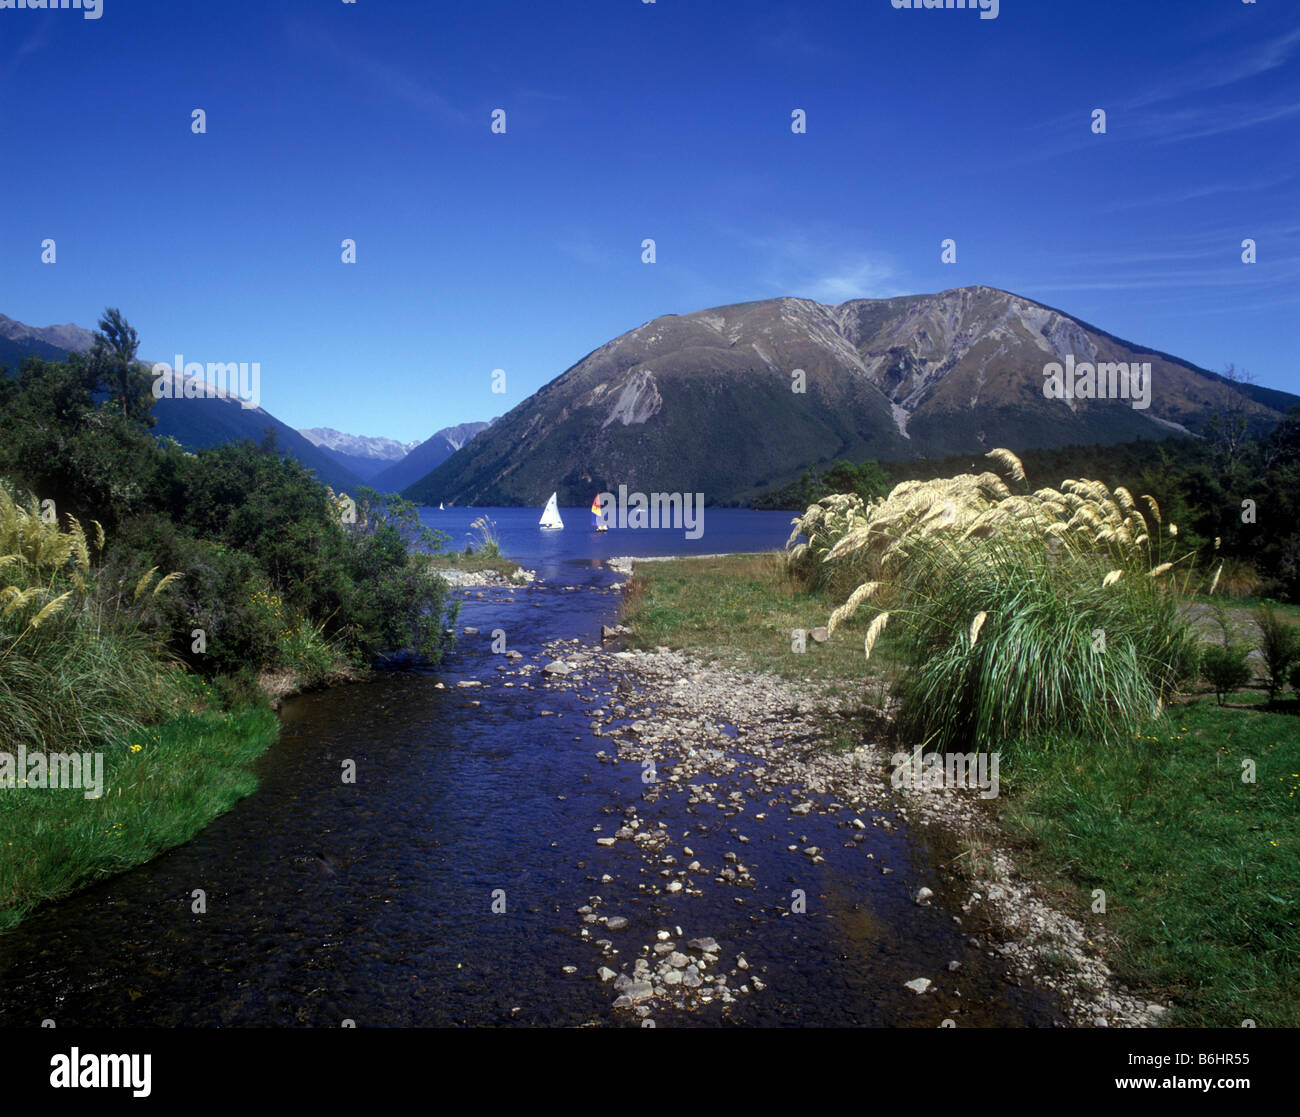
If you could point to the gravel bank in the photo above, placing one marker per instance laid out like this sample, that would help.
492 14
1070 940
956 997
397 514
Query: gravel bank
708 726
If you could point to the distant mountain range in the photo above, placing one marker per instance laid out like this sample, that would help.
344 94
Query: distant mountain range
342 461
365 456
387 465
427 456
705 402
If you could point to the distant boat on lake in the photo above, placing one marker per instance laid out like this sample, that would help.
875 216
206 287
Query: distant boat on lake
440 507
597 520
551 515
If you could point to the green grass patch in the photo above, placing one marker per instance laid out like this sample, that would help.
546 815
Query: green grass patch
743 610
161 786
472 563
1198 867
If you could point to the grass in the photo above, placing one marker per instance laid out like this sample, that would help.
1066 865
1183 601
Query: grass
739 608
473 562
1198 868
162 784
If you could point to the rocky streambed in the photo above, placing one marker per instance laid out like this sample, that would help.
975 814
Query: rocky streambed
742 757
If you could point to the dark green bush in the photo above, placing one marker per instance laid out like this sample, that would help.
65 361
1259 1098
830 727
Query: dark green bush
1279 643
1224 667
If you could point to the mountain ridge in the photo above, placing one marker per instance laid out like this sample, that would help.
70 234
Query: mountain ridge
703 401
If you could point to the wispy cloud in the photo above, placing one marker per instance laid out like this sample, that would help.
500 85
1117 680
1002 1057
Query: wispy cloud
1240 65
816 263
383 76
1174 198
1138 117
31 44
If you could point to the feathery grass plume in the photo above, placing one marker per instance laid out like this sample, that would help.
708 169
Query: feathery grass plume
99 535
976 625
1009 461
1216 578
1125 499
1151 503
845 611
873 633
1161 569
1052 566
79 548
174 576
49 609
851 542
1173 529
19 599
143 583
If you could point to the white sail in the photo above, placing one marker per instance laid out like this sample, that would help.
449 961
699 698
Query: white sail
551 516
440 507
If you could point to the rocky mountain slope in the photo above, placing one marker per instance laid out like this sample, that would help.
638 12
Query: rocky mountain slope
704 402
427 456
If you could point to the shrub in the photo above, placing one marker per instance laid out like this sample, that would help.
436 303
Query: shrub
1224 667
1280 645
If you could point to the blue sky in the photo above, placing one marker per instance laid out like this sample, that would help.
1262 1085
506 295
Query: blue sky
628 120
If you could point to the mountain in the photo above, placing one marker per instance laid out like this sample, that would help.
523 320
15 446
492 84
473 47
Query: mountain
50 343
365 456
427 456
199 423
194 423
703 402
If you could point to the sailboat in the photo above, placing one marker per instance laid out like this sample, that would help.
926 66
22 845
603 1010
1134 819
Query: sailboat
441 507
551 515
597 520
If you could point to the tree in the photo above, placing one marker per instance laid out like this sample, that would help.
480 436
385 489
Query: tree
112 360
1228 428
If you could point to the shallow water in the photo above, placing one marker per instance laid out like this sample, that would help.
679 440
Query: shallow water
372 901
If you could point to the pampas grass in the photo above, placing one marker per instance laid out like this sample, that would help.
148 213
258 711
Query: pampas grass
1060 639
76 671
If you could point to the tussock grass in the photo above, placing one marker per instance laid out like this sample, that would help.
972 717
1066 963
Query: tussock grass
79 673
1017 613
76 668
